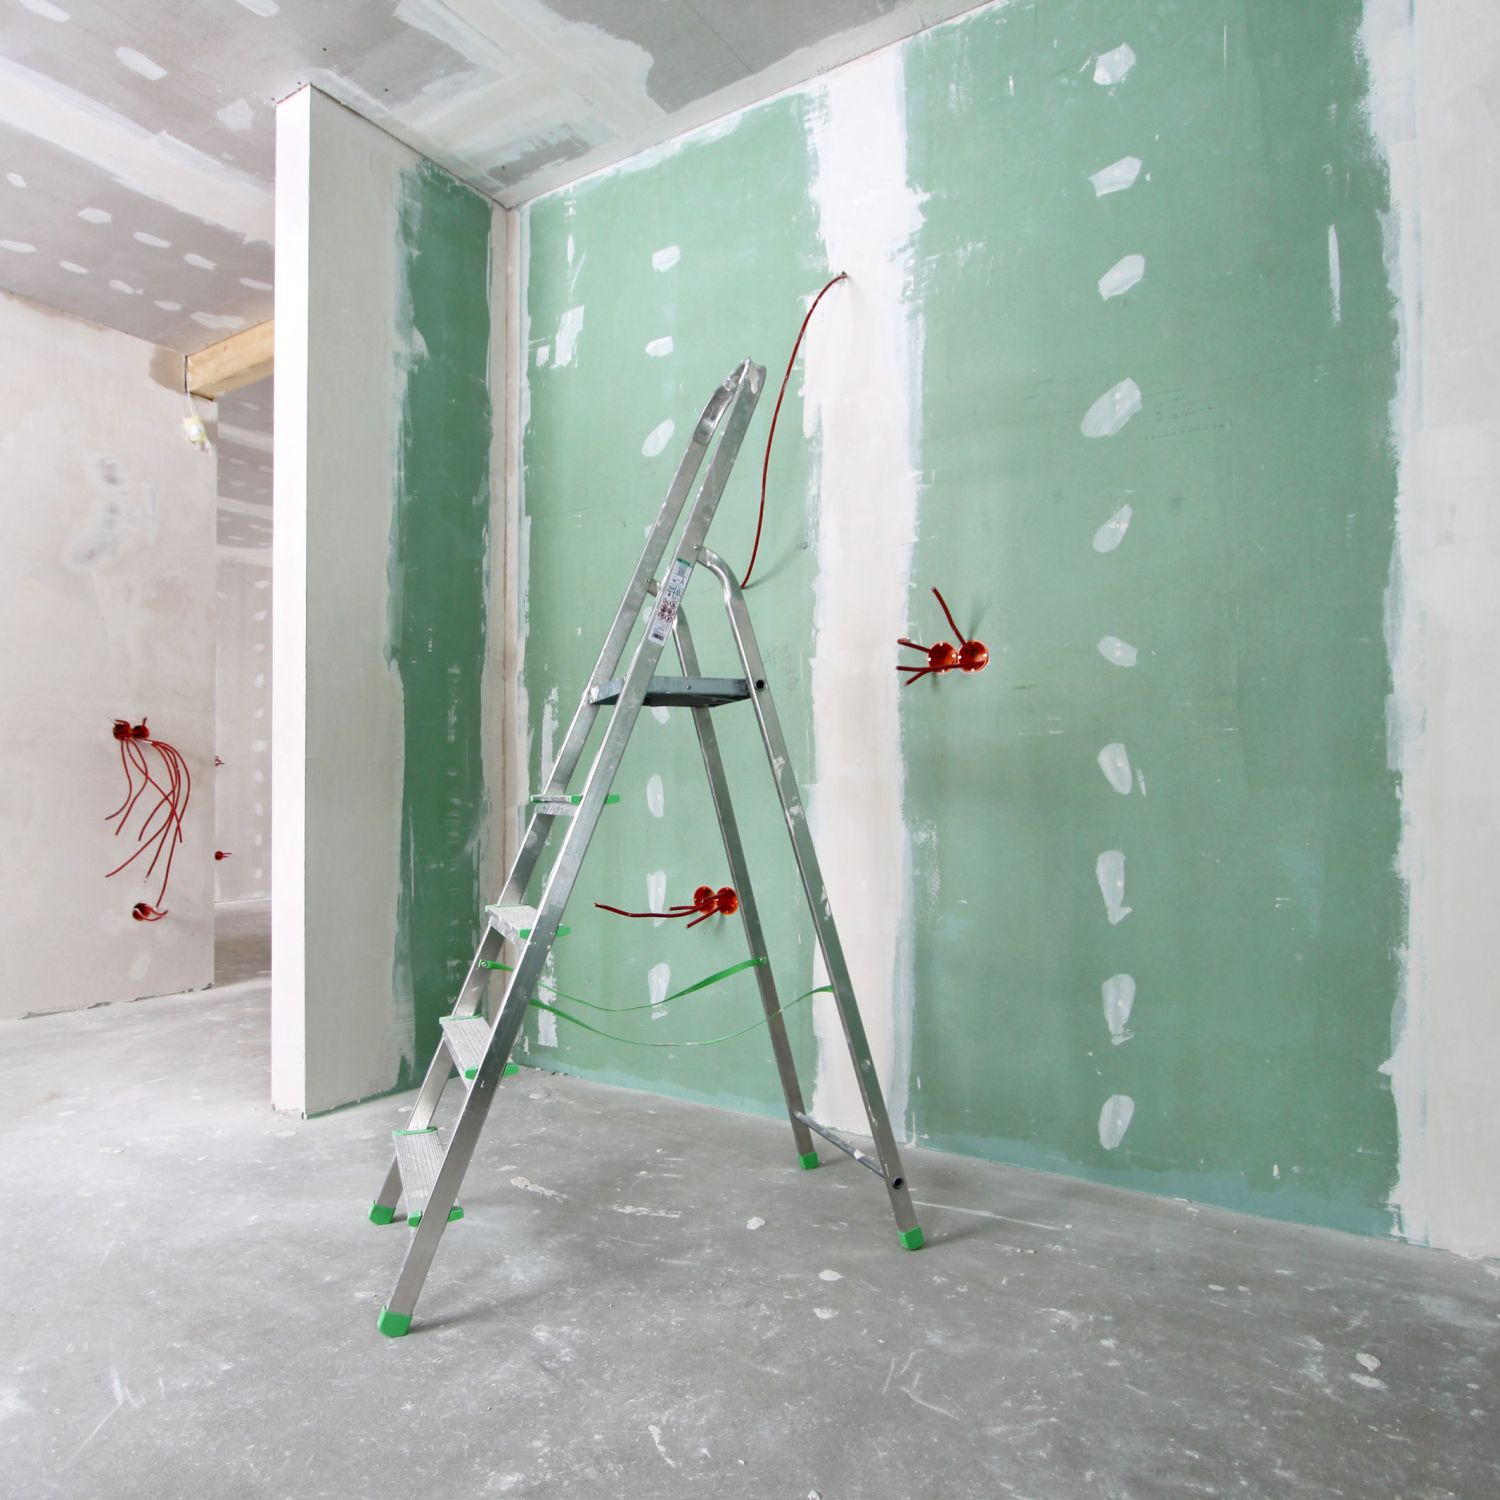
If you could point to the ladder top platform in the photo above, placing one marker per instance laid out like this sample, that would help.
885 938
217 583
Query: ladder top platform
679 692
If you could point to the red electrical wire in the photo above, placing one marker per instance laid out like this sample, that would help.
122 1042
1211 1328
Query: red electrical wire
706 902
160 831
969 656
765 467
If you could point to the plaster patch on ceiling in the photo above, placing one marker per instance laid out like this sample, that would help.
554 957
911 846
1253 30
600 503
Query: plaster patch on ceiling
534 79
17 247
47 9
73 268
15 179
202 262
225 321
154 240
263 8
138 62
154 164
236 116
95 215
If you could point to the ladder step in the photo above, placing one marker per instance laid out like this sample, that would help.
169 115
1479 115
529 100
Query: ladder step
565 806
516 922
467 1037
679 692
419 1154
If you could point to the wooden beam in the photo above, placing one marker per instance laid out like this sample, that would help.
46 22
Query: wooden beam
239 360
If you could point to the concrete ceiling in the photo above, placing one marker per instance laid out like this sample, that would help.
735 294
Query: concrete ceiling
137 137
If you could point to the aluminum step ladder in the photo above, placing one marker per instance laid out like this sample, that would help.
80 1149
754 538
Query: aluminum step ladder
426 1171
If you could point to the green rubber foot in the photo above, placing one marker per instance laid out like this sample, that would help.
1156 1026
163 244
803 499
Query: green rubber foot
453 1213
511 1069
809 1160
393 1325
380 1214
911 1239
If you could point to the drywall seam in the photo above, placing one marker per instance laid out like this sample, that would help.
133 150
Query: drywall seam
1386 37
289 619
153 163
861 368
1430 69
497 722
518 413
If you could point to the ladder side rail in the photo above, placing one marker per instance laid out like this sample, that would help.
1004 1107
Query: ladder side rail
560 773
817 892
744 386
739 873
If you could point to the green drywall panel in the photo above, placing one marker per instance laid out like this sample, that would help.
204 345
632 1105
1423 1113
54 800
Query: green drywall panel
1266 915
735 208
437 631
1260 850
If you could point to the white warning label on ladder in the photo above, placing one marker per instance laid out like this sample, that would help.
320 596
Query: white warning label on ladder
667 603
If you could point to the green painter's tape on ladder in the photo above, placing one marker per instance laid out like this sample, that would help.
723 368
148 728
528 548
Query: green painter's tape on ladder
576 798
393 1325
510 1068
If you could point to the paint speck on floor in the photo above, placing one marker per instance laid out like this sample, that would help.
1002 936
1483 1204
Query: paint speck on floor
755 1223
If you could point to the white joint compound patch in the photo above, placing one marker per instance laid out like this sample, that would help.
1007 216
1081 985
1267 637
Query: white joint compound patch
862 364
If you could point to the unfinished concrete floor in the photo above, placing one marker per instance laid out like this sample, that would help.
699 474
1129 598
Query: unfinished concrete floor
188 1289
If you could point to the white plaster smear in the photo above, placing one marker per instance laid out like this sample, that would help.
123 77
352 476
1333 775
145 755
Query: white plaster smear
1124 274
1114 761
1112 410
658 438
153 163
665 258
1433 122
1114 64
660 348
569 326
658 977
1121 653
1114 1120
656 797
1335 276
862 358
1117 176
1109 871
656 895
1112 532
1118 994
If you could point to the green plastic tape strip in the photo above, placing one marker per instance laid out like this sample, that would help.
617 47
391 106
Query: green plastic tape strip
713 1041
702 984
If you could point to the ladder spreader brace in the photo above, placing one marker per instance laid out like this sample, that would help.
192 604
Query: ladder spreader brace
426 1173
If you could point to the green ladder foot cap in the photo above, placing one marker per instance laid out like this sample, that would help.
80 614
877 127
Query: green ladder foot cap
809 1160
911 1239
393 1325
380 1214
456 1212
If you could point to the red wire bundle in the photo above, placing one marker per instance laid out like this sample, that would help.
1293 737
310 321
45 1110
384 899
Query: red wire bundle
970 656
707 902
160 829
